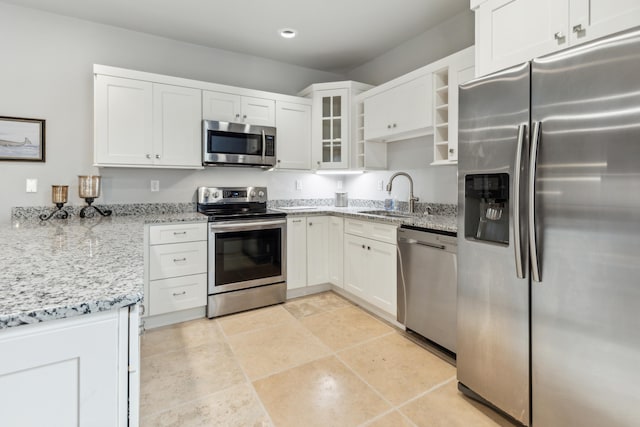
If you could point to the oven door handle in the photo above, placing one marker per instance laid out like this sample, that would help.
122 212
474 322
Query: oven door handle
245 225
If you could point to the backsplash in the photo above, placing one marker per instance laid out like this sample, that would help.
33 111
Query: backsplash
124 209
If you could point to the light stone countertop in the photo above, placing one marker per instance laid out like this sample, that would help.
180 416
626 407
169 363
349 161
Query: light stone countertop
446 223
64 268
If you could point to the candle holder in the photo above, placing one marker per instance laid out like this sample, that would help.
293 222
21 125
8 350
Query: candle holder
59 197
89 190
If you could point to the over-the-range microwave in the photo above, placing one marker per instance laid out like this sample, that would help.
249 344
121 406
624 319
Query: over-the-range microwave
238 144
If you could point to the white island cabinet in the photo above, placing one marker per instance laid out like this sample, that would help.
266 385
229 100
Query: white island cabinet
77 371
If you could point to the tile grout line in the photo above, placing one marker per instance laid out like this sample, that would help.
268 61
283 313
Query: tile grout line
246 376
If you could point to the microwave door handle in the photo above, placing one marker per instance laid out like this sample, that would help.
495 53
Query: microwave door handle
264 146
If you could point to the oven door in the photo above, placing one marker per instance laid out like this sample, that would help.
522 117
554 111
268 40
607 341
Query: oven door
246 254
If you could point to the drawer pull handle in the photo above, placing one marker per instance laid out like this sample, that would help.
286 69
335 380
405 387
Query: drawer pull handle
177 233
175 294
179 259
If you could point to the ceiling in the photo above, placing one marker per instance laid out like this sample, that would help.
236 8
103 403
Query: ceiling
333 35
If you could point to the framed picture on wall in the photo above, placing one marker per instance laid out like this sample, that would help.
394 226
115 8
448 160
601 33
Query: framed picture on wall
22 139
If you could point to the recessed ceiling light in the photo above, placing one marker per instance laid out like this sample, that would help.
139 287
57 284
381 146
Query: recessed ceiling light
288 33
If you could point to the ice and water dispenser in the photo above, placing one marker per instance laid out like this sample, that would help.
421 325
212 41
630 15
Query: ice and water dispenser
487 207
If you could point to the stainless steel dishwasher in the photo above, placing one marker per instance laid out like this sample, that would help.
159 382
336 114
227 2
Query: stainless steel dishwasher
427 284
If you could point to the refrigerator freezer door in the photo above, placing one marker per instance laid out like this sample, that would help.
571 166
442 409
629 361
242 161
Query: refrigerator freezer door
585 310
493 303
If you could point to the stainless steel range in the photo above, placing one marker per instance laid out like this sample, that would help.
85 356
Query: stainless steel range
247 249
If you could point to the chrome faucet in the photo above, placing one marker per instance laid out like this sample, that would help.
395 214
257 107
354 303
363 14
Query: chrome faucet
412 199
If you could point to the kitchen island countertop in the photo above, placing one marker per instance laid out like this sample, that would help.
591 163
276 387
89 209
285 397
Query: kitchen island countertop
64 268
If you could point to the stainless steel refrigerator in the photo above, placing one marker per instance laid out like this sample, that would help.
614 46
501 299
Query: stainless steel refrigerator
549 237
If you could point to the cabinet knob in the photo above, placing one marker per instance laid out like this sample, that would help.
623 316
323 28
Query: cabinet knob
578 28
237 116
244 117
394 125
388 126
451 151
310 224
368 248
558 36
157 156
362 246
148 156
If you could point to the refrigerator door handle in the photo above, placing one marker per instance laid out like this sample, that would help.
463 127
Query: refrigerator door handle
533 244
517 241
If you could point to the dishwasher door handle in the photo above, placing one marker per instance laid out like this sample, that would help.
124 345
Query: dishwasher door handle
417 242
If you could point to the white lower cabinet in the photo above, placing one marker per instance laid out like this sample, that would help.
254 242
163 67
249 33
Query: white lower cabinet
296 252
317 250
307 251
370 264
176 268
336 251
70 372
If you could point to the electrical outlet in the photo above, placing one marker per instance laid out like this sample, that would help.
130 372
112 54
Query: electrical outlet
155 185
339 184
32 185
298 184
380 185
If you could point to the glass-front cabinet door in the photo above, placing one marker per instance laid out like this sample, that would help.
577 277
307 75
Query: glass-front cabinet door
331 129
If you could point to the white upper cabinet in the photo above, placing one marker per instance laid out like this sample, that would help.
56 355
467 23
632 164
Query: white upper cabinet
225 107
333 128
123 121
590 19
401 112
139 123
509 32
176 125
293 147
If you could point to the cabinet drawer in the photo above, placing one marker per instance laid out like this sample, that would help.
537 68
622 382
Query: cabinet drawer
180 259
177 233
179 293
372 230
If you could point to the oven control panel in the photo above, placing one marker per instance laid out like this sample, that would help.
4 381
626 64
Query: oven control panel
214 195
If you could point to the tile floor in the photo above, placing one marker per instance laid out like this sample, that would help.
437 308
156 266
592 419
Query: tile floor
313 361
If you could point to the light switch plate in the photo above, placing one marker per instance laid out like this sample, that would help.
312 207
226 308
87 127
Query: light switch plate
380 185
298 184
339 184
32 185
155 185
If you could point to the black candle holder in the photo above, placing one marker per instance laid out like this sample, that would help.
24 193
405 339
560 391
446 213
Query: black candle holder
89 200
61 213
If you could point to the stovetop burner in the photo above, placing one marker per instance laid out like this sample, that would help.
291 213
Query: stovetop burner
234 203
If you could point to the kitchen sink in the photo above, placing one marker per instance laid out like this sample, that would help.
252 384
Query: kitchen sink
391 214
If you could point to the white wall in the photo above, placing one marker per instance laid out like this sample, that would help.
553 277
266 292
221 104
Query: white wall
448 37
46 73
434 184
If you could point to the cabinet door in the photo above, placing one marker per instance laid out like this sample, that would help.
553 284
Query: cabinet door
293 148
382 275
355 256
590 19
412 106
258 111
65 372
123 111
317 250
336 251
296 252
220 106
378 116
176 120
331 129
509 32
463 71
